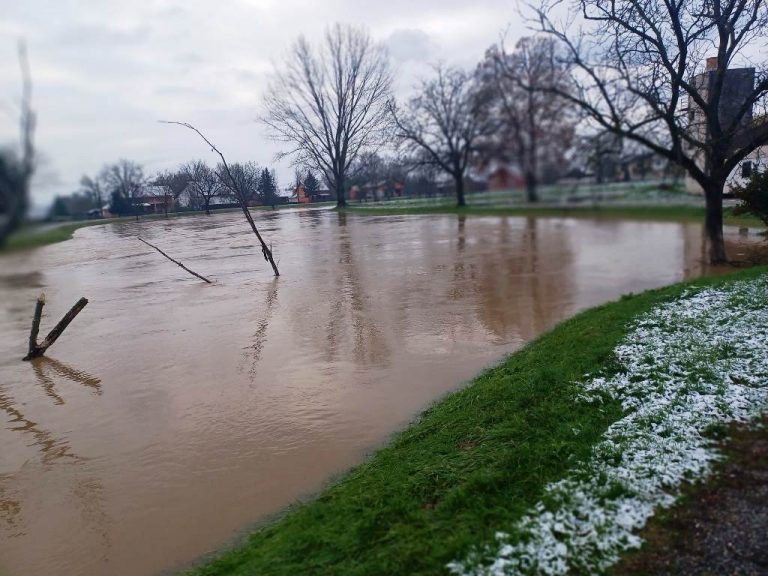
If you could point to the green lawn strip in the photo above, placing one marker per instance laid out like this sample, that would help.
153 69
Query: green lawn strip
30 237
472 464
664 213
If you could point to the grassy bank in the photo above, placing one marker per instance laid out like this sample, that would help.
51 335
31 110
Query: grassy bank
660 212
33 237
473 464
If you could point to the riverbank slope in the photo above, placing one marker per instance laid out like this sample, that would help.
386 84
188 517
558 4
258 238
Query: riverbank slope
466 485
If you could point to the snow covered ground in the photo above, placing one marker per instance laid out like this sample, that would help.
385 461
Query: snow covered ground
686 366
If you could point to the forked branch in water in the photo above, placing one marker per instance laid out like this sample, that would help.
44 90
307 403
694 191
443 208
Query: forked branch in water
241 196
36 350
203 278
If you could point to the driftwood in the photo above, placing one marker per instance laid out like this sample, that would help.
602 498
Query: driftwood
203 278
36 350
265 250
36 324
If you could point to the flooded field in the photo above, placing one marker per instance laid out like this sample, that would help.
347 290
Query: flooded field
173 414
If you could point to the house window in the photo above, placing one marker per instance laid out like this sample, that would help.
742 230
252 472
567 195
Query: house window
746 169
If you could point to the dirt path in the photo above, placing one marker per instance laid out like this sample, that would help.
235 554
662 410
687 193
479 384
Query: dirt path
718 528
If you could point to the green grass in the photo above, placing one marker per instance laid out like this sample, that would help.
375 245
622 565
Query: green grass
30 237
661 212
472 464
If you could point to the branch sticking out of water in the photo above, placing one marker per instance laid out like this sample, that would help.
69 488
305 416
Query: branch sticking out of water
36 324
241 197
203 278
36 350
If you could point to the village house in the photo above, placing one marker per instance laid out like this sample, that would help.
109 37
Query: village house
504 177
154 200
301 196
381 190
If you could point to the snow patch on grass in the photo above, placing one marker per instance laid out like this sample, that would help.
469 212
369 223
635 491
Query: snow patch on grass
686 366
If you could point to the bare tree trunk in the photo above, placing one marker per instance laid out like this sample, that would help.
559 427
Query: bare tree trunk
460 201
713 222
530 176
14 188
241 196
39 349
36 324
531 193
341 201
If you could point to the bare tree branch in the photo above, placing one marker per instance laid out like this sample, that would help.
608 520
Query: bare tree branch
329 103
442 125
241 196
203 278
639 72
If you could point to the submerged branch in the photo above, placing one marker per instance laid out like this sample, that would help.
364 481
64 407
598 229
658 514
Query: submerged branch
37 350
203 278
265 250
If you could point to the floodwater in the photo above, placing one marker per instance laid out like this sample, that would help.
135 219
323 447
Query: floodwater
173 414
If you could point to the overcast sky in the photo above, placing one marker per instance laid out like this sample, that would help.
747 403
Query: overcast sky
105 71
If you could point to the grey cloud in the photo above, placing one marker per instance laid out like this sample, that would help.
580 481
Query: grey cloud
105 72
104 35
410 44
189 58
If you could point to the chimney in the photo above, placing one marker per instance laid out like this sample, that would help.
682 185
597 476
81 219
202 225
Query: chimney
712 63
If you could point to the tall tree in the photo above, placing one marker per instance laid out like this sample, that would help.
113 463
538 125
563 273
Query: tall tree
268 187
329 102
442 125
126 178
640 73
59 209
16 171
244 182
205 184
535 128
311 184
368 169
95 190
118 204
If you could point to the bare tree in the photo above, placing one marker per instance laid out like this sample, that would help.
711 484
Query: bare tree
245 181
535 128
124 178
175 181
329 102
640 73
16 171
95 191
204 184
442 125
241 197
368 169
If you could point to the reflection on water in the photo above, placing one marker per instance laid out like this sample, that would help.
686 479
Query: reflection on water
255 347
49 445
46 369
214 406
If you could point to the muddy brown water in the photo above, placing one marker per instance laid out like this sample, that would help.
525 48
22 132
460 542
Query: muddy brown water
172 414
